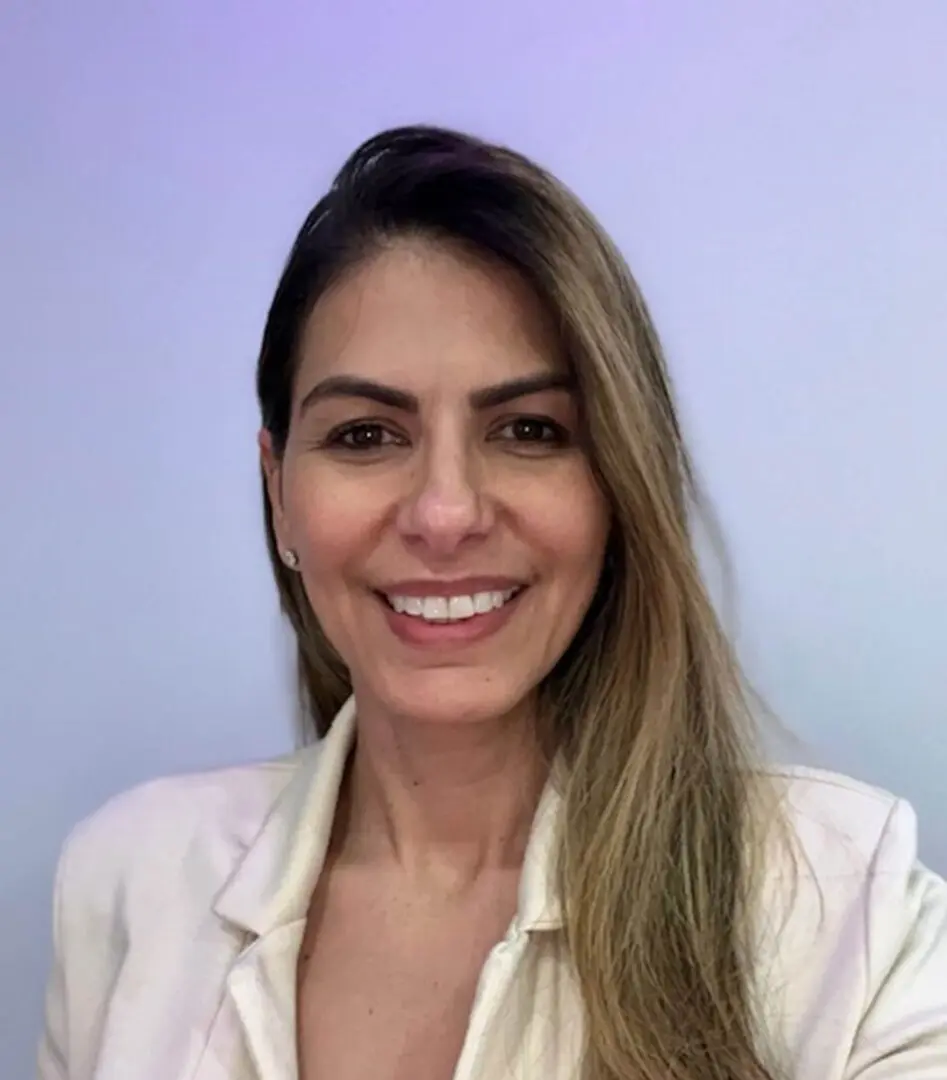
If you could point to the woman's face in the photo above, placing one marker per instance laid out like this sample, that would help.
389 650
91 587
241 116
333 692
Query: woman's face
435 488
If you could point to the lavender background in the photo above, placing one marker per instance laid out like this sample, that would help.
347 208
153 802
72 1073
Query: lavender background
776 173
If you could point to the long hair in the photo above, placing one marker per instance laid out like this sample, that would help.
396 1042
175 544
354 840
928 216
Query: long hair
657 855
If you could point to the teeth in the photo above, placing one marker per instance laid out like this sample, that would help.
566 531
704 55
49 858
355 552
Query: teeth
435 609
483 602
450 608
461 607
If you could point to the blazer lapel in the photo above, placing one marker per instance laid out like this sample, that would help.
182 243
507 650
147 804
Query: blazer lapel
226 1054
263 987
253 1035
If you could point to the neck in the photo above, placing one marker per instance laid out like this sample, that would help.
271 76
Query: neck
449 804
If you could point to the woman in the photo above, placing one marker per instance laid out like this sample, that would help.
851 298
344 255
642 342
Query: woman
542 844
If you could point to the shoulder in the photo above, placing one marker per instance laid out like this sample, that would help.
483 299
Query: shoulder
842 825
853 949
134 894
168 826
182 800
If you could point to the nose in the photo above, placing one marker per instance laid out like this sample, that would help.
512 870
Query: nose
448 506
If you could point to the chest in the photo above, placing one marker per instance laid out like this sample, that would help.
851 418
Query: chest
386 986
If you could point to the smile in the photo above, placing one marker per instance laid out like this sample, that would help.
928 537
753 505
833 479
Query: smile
447 609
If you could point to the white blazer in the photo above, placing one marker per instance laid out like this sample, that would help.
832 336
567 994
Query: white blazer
180 907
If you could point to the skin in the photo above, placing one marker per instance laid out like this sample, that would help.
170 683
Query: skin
446 773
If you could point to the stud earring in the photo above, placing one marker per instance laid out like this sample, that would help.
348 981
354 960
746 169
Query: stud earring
291 559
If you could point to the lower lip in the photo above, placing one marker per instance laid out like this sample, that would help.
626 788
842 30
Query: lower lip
414 630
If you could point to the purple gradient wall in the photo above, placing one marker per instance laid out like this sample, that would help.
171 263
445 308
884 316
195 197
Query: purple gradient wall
776 174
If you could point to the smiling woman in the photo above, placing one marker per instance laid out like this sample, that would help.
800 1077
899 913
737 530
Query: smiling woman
439 421
532 837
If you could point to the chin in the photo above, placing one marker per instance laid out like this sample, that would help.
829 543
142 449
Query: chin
451 697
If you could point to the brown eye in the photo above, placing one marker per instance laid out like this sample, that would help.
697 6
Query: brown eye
534 430
529 430
363 436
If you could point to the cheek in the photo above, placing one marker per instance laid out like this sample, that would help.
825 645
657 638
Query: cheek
569 521
331 524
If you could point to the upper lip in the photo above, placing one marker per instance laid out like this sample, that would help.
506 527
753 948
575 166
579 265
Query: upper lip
457 587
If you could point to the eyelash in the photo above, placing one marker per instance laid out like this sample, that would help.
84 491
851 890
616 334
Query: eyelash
336 439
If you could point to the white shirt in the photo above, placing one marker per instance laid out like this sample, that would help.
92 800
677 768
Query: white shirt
180 908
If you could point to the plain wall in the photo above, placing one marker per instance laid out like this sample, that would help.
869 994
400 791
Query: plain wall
776 174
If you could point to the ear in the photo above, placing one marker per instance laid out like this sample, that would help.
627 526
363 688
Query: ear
272 467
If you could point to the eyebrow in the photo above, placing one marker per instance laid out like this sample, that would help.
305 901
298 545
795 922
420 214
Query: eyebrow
488 397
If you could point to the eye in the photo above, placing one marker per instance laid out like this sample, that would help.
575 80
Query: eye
535 431
363 435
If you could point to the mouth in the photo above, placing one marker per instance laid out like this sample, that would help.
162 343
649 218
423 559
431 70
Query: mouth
451 609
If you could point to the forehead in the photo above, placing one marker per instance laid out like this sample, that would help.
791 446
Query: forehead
420 313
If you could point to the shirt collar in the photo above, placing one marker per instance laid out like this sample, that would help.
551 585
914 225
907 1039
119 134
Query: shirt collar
274 878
